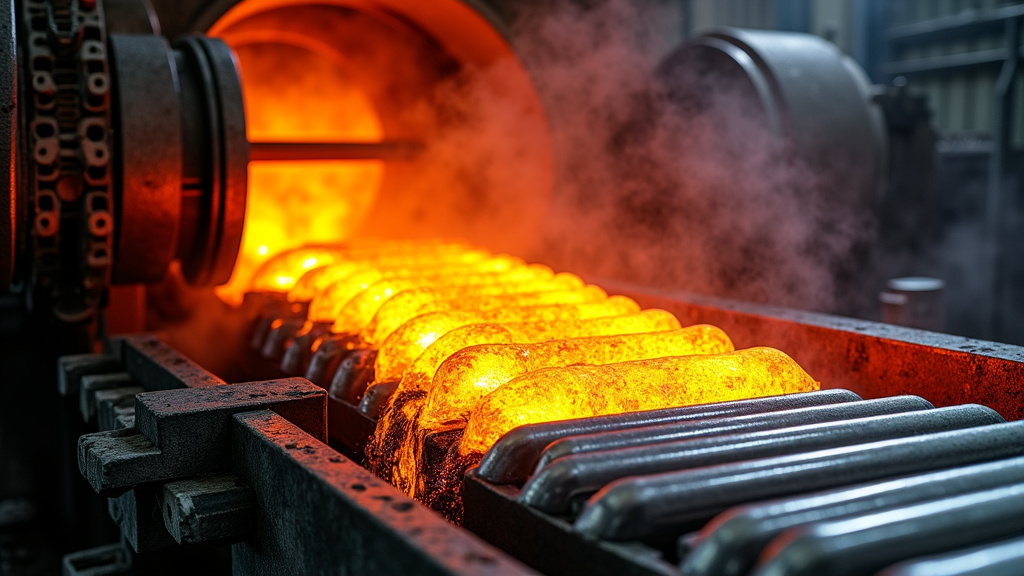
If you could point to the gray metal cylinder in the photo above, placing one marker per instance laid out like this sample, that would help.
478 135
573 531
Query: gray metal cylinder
914 301
800 89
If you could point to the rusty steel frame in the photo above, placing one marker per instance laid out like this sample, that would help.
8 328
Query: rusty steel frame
251 460
870 358
309 500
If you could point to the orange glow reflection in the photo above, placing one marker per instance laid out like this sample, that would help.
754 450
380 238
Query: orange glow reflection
420 376
463 380
409 341
286 83
484 343
583 391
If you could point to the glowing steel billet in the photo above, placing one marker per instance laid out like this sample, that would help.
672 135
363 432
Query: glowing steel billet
472 373
328 305
583 391
421 374
282 271
484 298
402 453
319 279
408 304
361 308
406 343
316 280
404 296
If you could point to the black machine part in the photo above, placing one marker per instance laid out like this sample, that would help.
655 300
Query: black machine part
796 88
94 115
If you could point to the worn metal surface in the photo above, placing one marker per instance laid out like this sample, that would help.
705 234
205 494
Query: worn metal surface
375 397
666 505
328 356
872 359
553 488
95 383
354 374
150 155
731 543
1003 558
549 543
348 426
182 433
68 162
636 437
216 163
114 405
71 369
373 528
868 543
157 366
514 456
272 306
296 358
137 513
209 509
280 338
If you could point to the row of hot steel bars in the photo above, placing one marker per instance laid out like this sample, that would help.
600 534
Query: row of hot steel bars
814 483
818 483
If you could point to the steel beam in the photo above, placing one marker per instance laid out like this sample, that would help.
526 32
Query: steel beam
322 512
182 433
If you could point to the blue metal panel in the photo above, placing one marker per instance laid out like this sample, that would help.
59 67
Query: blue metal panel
868 46
793 15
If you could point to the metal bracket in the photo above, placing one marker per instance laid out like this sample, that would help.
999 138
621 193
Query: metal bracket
186 432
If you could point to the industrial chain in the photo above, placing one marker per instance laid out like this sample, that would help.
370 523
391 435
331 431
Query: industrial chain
69 138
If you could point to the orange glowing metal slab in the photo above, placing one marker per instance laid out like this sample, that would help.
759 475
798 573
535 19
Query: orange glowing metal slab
408 304
421 375
401 454
327 306
316 281
319 279
361 310
497 296
406 343
472 373
280 272
585 391
293 203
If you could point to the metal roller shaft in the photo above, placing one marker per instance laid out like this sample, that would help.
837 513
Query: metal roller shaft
325 361
730 544
1002 558
514 456
553 488
296 359
868 543
353 375
637 437
669 504
301 151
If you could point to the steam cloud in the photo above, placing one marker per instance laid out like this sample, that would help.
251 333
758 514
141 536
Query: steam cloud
691 195
682 193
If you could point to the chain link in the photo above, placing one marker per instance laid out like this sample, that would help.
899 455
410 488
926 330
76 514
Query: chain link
69 136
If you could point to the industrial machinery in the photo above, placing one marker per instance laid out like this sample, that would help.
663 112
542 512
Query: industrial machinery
167 155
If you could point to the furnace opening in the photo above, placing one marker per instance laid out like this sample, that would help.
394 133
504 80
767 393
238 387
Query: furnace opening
285 79
440 83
